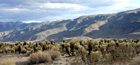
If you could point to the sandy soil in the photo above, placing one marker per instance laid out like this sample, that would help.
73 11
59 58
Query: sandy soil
18 59
22 59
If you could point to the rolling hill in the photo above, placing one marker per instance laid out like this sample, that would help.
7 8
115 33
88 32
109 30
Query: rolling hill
118 25
11 27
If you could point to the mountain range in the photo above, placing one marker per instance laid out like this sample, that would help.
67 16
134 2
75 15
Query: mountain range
111 26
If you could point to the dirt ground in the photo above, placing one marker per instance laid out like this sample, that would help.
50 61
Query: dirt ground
18 59
23 60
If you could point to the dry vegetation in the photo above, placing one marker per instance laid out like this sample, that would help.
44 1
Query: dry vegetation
89 52
39 57
8 63
43 57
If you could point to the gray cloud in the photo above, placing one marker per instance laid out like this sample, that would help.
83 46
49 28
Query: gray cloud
50 10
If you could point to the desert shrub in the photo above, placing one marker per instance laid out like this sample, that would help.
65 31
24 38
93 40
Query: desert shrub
52 41
28 53
64 40
39 57
8 63
46 41
54 54
136 63
1 44
1 51
26 46
25 43
23 50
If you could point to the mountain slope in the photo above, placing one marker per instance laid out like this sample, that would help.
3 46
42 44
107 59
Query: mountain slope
119 25
10 27
5 26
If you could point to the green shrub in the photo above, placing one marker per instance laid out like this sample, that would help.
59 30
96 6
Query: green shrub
25 43
28 53
1 51
23 50
1 44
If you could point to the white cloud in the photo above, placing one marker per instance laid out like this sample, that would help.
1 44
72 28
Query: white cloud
15 9
62 17
62 6
55 6
31 21
50 10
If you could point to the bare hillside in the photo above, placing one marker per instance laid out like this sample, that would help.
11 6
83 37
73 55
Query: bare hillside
119 25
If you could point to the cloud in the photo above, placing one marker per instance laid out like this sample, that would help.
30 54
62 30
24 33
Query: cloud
51 10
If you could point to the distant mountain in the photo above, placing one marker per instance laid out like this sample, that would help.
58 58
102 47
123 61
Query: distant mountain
5 26
11 27
119 25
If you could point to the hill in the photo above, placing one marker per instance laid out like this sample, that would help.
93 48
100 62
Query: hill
118 25
11 27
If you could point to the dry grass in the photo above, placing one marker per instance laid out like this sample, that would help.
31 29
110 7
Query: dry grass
8 63
136 61
42 57
39 57
54 54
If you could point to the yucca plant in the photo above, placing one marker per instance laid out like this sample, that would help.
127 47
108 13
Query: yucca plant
7 49
125 40
55 48
103 49
62 47
64 40
91 44
72 46
17 42
67 47
32 50
18 49
26 46
23 50
28 53
105 40
42 43
101 40
137 40
52 41
121 40
1 44
108 41
1 51
13 50
46 41
95 57
115 40
44 47
25 43
86 47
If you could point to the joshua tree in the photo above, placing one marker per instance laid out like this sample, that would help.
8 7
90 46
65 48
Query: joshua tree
52 41
25 43
19 49
64 41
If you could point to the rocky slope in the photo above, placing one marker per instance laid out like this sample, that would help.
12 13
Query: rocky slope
119 25
11 27
6 26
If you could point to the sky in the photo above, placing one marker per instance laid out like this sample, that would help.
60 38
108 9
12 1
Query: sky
52 10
